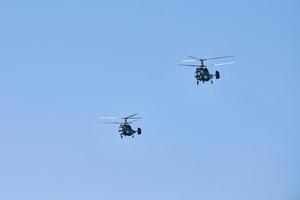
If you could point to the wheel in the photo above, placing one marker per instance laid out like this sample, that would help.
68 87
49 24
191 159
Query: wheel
197 82
211 82
139 131
217 74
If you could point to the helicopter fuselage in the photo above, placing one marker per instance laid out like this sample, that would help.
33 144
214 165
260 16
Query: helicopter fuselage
126 130
202 74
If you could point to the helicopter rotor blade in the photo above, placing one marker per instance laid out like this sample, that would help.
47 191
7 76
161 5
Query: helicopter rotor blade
135 118
130 122
130 116
193 57
107 120
110 122
189 60
219 57
220 64
190 65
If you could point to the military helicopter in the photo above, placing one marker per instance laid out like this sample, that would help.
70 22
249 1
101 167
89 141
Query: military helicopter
202 74
125 128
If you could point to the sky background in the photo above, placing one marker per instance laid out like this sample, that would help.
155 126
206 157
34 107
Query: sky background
63 63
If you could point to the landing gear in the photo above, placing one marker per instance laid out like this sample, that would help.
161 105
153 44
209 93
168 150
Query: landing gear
197 82
121 136
211 82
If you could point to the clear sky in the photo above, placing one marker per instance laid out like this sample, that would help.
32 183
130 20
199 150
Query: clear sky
63 63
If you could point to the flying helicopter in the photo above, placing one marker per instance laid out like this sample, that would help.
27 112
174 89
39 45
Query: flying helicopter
202 74
125 128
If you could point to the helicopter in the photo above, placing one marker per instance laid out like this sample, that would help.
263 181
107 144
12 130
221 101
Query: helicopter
125 128
202 74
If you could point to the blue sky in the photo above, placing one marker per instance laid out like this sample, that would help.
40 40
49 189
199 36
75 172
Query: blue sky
63 63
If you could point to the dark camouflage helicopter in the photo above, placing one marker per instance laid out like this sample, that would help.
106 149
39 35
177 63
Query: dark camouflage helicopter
202 74
125 128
